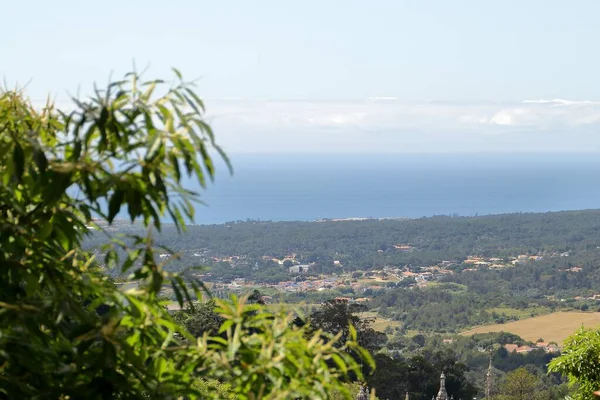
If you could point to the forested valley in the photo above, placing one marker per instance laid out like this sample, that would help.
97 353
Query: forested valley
539 263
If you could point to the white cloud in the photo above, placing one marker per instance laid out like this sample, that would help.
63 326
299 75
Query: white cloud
337 120
549 114
503 117
562 102
519 116
392 125
398 126
382 98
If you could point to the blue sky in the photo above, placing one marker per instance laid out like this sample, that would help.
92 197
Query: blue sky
337 76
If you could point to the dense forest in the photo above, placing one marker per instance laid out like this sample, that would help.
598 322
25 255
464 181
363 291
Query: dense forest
437 310
356 243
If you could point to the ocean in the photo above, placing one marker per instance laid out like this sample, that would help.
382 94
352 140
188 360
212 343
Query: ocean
309 187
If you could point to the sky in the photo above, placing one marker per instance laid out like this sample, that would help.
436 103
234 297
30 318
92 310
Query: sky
381 76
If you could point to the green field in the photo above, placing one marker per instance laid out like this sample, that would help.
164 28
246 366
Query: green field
520 313
553 327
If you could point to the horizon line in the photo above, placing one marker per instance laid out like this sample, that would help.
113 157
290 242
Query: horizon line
473 152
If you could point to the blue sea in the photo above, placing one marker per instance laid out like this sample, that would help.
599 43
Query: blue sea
304 187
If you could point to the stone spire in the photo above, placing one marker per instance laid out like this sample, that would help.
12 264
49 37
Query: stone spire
363 393
489 381
442 394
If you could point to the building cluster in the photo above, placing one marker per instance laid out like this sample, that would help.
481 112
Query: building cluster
476 262
310 284
305 277
300 269
406 248
547 347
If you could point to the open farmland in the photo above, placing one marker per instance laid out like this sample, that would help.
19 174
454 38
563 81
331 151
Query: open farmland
554 327
380 323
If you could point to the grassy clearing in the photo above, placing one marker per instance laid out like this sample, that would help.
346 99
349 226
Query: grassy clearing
454 288
380 323
521 314
554 327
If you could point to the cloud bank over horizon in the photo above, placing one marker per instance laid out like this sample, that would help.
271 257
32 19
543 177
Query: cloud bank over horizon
387 125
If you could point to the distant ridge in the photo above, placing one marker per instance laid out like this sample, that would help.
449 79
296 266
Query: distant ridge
360 219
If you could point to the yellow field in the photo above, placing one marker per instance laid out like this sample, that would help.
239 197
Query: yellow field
380 323
554 327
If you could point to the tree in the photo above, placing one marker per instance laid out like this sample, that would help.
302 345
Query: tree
406 282
126 148
390 379
200 319
580 362
336 318
446 361
288 263
419 375
256 297
519 384
419 340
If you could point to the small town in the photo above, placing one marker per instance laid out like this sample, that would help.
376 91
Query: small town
302 277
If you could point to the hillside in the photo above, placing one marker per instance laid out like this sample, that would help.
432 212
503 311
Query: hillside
373 242
558 241
554 327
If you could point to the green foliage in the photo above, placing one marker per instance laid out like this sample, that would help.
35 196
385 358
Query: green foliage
339 317
212 388
580 362
520 384
200 319
66 331
470 353
353 388
419 375
433 309
263 355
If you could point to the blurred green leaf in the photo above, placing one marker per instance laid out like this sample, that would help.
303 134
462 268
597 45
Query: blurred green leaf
19 161
114 206
76 333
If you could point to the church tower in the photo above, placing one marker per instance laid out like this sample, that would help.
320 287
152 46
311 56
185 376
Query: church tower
489 381
442 394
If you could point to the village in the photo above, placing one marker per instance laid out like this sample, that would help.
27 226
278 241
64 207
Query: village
358 284
550 347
